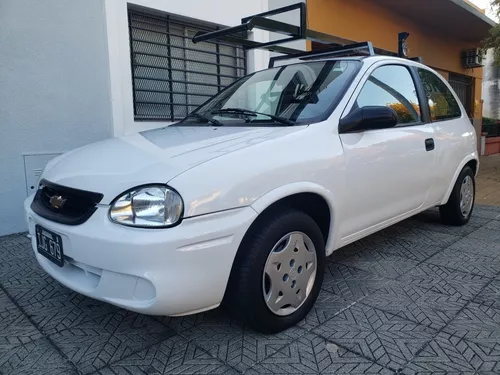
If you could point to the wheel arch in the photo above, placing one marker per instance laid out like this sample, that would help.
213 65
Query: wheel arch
311 198
471 160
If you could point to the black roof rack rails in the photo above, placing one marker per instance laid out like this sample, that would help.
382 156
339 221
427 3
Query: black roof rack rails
237 36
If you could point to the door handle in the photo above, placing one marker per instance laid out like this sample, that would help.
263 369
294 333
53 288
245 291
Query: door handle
429 144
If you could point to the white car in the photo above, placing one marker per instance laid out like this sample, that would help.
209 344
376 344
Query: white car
244 199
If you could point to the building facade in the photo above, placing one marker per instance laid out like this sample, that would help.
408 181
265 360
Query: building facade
74 72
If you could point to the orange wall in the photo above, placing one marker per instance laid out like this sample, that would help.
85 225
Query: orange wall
362 20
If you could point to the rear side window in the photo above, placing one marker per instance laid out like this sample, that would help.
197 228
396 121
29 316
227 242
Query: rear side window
442 104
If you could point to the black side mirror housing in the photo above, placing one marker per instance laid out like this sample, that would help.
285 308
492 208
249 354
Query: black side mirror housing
368 118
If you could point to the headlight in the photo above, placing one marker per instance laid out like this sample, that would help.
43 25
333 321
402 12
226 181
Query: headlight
148 206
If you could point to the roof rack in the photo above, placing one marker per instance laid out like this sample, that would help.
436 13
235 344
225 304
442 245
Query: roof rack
334 46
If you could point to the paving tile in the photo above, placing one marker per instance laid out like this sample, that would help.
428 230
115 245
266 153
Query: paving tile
312 354
349 250
383 264
490 296
385 338
478 264
417 235
476 323
430 220
327 306
350 282
487 234
407 248
439 279
235 345
15 328
416 304
450 354
172 356
91 345
478 246
487 212
35 357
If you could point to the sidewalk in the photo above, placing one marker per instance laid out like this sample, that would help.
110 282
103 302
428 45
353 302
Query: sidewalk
488 181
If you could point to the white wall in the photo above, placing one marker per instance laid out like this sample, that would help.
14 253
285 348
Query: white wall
224 12
491 88
54 89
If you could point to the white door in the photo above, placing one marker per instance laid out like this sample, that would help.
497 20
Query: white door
389 171
452 131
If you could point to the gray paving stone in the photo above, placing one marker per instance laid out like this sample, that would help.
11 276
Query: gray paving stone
235 345
477 246
350 282
172 356
327 306
477 323
431 220
91 345
490 296
312 354
383 264
450 354
35 357
416 304
407 248
420 236
477 264
15 328
385 338
382 304
439 279
488 212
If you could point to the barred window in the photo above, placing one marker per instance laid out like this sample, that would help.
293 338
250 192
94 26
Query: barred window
171 75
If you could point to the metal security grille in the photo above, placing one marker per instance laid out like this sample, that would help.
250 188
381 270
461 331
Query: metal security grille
171 75
462 85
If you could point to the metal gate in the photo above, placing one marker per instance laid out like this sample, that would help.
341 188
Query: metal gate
171 75
463 86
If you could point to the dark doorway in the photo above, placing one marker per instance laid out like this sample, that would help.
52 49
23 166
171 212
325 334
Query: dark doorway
463 86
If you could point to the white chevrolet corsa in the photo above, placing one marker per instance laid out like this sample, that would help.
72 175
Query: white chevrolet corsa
243 199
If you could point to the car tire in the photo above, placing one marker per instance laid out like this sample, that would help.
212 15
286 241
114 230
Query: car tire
458 210
274 246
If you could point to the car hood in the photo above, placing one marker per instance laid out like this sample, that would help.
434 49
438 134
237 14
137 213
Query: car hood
114 165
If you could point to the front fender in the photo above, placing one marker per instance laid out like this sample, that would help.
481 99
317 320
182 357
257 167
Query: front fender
273 196
467 159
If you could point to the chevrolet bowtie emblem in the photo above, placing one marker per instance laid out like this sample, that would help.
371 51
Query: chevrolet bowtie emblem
57 201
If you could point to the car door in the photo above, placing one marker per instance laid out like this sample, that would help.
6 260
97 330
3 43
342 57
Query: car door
452 130
389 172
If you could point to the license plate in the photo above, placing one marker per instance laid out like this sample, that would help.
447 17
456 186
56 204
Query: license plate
49 244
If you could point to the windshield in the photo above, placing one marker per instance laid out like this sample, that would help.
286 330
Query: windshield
286 95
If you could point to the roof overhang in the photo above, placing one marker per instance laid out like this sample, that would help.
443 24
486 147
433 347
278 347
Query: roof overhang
454 18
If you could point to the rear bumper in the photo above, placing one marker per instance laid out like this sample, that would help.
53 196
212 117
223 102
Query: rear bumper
173 271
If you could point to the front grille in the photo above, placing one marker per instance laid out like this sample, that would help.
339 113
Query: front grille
63 204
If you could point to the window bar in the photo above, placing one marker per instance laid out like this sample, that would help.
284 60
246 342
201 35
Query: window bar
132 60
170 71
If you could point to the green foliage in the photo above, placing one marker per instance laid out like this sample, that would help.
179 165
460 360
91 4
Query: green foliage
493 40
489 121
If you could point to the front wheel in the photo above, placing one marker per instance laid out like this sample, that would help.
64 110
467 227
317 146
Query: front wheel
458 209
279 272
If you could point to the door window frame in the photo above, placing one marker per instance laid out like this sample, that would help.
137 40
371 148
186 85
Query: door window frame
422 98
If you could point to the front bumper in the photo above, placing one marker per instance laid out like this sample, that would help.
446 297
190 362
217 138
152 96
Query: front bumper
173 271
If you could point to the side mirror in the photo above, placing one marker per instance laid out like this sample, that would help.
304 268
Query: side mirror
368 118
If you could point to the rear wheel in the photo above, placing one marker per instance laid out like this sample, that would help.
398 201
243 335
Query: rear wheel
458 209
279 272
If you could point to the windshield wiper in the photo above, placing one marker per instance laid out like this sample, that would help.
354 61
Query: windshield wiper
206 118
249 112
